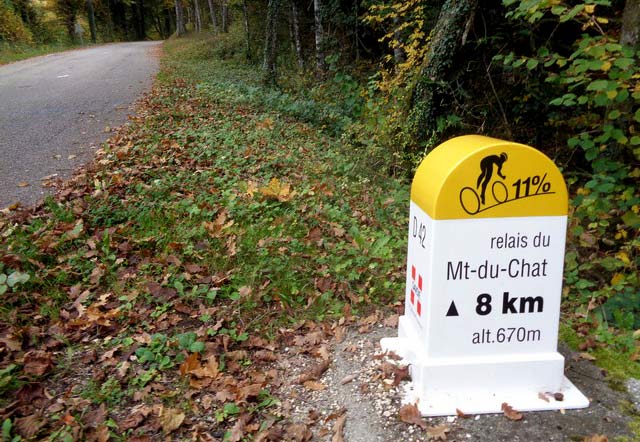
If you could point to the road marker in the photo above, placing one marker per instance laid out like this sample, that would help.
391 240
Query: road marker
485 259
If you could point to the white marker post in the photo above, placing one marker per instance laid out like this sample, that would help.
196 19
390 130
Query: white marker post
487 232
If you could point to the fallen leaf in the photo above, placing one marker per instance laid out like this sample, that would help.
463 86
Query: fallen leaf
298 433
438 432
29 426
339 334
336 414
277 190
225 396
314 373
348 379
596 438
312 417
170 419
249 391
96 417
122 370
102 434
410 414
237 432
208 370
314 385
97 273
23 184
314 235
30 392
323 353
190 364
400 374
338 429
37 362
510 413
391 321
587 356
543 396
461 414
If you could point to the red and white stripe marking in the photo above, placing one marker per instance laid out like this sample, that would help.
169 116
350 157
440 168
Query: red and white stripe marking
416 290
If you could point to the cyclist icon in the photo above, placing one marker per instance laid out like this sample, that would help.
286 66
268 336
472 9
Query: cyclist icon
486 171
473 203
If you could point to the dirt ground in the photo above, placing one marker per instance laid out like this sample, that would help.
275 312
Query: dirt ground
358 385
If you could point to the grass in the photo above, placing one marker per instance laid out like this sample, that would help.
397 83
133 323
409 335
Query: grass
10 53
221 216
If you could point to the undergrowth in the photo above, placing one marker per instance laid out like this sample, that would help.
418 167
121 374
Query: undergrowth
224 214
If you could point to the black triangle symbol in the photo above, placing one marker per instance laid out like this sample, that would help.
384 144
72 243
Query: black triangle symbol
453 311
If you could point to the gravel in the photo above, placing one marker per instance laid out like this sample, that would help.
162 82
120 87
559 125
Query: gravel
355 385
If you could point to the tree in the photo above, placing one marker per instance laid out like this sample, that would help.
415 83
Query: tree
92 20
67 11
198 17
180 29
245 17
225 16
214 18
446 39
630 23
319 36
269 64
295 25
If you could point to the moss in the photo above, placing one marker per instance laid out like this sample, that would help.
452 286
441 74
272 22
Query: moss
568 335
617 363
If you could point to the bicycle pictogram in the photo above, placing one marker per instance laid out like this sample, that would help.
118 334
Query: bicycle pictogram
473 202
470 200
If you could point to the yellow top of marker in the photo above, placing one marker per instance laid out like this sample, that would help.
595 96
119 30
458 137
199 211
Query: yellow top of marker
480 177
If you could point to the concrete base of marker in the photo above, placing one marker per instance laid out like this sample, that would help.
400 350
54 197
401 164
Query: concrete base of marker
477 385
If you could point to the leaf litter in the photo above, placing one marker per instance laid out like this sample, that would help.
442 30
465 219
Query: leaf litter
160 304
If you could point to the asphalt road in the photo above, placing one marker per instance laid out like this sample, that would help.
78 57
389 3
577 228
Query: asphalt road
56 109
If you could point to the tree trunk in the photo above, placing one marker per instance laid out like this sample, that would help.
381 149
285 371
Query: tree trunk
198 17
245 17
142 25
166 14
109 20
398 53
180 30
92 20
135 15
428 93
356 38
271 44
319 34
225 16
630 23
214 18
296 33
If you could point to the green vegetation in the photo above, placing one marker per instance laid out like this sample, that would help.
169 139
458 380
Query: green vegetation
251 205
216 220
